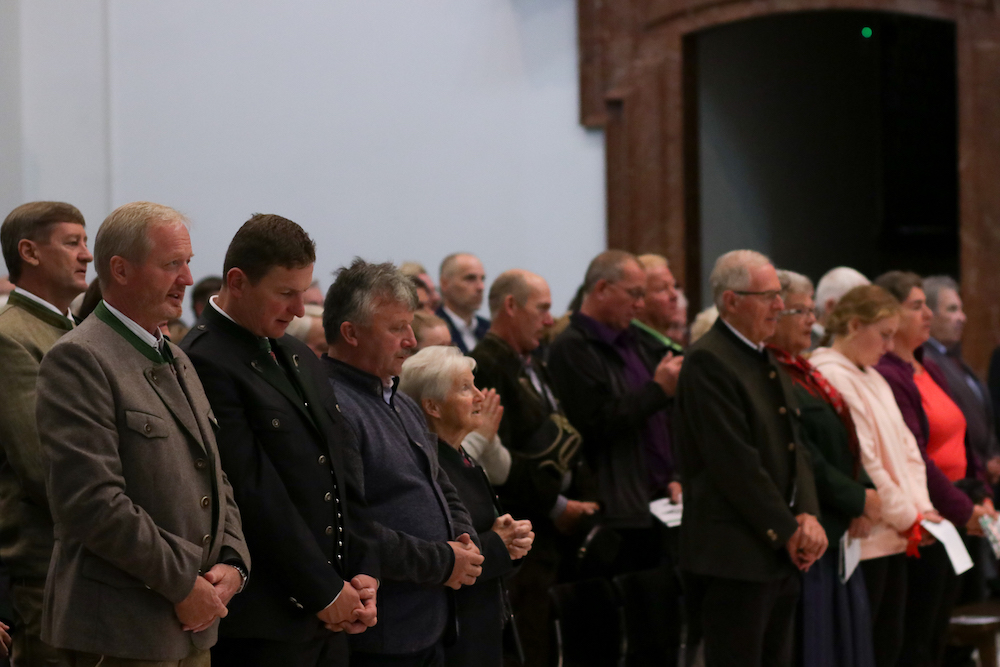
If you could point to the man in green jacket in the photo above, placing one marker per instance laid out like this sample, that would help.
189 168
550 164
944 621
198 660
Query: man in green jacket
45 248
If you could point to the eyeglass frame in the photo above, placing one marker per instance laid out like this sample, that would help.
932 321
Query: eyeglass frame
774 294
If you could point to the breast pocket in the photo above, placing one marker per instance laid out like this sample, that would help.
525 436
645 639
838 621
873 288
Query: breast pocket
146 425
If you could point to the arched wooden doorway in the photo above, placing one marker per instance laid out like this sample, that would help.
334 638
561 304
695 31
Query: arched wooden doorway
636 84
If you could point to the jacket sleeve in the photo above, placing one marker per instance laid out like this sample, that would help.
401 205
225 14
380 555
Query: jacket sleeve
834 487
710 405
85 481
18 428
580 380
271 521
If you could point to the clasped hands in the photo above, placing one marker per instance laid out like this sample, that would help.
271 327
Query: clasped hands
355 609
517 536
208 599
808 543
468 562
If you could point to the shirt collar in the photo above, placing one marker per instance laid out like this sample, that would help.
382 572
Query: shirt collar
602 331
40 301
144 336
458 321
757 346
212 300
937 345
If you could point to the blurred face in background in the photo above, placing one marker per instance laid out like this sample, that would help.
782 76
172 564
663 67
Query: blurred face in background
793 332
948 322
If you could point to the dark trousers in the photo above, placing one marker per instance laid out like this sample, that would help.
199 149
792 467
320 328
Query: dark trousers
932 588
29 650
429 657
745 623
886 581
326 649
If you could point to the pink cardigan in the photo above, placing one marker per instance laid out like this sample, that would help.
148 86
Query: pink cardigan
889 451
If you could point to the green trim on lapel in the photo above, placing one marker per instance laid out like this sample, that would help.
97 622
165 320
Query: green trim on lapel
40 311
671 345
106 316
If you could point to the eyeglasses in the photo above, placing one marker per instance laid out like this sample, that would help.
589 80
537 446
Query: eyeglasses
800 312
635 293
770 295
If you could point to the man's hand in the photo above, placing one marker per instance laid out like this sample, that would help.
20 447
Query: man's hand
226 579
675 490
873 506
4 640
575 510
972 525
491 413
345 609
860 527
365 616
667 372
201 607
468 563
808 543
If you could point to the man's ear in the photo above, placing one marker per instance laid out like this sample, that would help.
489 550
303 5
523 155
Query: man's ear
729 300
120 269
236 281
431 408
349 333
28 251
509 303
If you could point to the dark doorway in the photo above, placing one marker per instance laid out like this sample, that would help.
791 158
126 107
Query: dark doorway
825 138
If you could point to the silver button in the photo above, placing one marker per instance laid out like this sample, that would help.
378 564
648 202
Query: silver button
322 459
338 515
153 376
200 327
147 428
205 502
329 530
276 423
338 407
206 539
328 497
200 464
340 543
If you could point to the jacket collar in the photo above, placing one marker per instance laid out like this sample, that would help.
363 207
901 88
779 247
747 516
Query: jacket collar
38 310
362 380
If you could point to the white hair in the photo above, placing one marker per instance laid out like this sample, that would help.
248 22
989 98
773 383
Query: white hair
430 372
834 284
732 272
703 322
793 283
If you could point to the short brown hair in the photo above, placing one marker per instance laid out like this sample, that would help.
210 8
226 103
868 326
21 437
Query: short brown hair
899 283
266 241
32 221
867 303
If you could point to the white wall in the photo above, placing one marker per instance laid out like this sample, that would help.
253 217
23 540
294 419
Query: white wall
391 129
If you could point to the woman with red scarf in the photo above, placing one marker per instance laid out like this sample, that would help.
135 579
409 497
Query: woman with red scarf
835 621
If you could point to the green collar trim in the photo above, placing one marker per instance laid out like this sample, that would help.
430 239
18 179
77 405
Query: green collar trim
106 316
40 311
658 336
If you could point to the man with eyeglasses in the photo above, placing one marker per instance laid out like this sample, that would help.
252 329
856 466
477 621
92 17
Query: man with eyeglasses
616 395
750 501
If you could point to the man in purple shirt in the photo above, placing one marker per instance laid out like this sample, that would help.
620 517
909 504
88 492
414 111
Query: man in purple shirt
616 395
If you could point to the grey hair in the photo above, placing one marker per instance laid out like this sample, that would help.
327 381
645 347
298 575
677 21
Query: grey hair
430 372
835 283
125 234
449 264
356 288
608 266
514 283
732 272
933 286
793 283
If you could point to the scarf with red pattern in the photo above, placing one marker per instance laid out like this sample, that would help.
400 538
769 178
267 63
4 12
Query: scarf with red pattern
806 376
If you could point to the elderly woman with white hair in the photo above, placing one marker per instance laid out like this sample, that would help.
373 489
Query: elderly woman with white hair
440 379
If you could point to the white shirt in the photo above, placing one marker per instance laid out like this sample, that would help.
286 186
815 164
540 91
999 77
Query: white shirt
144 336
28 295
466 331
757 346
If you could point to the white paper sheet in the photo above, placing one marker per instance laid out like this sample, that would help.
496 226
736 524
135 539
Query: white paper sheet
946 534
667 512
850 556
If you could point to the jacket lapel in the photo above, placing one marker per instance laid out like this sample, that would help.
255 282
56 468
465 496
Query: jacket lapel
168 387
264 366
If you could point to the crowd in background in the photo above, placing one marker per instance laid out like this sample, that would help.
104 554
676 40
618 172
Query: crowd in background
381 462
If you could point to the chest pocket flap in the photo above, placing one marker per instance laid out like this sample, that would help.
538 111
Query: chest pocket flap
146 424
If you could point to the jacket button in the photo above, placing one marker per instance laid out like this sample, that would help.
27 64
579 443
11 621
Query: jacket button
321 459
338 515
205 502
147 428
153 376
337 405
329 530
206 539
772 374
276 423
328 497
791 446
782 410
340 543
798 412
771 535
200 327
200 464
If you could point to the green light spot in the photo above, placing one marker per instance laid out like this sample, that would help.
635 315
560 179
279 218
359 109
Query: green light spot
866 32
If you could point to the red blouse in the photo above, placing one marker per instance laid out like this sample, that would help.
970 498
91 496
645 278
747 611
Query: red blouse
946 437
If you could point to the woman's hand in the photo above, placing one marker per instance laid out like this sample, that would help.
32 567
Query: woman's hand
517 536
860 527
491 413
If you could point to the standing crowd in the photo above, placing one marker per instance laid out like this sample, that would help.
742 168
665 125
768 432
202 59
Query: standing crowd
379 476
